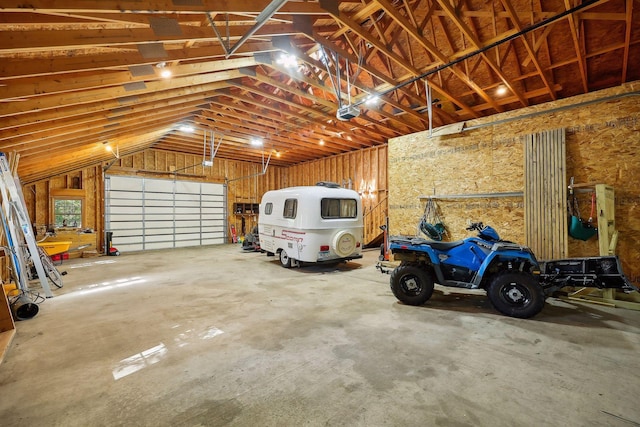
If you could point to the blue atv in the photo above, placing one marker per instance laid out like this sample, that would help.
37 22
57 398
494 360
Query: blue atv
508 272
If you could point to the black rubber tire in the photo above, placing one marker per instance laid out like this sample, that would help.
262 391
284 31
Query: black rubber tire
285 261
50 269
516 294
411 284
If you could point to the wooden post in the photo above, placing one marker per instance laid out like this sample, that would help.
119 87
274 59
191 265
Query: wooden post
606 219
607 235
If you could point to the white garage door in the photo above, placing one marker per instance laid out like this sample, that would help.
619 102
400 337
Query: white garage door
145 213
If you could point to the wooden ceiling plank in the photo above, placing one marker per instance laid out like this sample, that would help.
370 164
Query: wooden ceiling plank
442 59
516 22
47 40
31 67
581 62
161 6
286 126
627 40
93 95
146 101
68 144
468 33
94 126
36 86
389 82
313 114
282 143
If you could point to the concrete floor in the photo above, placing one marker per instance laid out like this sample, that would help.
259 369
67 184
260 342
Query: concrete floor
215 336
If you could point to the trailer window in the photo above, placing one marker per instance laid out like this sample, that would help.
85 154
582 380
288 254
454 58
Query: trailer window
290 208
338 208
268 208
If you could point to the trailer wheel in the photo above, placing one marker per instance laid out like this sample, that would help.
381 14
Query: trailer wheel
284 259
516 294
411 284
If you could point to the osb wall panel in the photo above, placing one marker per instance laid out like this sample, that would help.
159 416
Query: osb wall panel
603 143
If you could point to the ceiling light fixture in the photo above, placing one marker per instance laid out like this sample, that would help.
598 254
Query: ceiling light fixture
115 153
372 100
287 60
186 128
164 72
256 142
321 142
502 90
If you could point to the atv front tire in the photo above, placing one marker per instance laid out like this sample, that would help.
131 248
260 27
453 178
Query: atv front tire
516 294
411 284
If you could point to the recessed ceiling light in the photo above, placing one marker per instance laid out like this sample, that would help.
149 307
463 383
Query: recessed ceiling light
372 100
165 74
287 60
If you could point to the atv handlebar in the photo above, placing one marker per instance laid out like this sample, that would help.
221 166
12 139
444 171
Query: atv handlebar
475 226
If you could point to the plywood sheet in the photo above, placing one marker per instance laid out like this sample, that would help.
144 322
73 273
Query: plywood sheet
602 145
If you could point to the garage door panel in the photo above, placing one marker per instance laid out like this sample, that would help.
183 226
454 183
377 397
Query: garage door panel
187 216
158 245
213 209
159 203
189 223
188 211
158 186
127 218
119 240
159 231
158 196
147 213
213 240
158 224
188 187
186 196
125 225
187 243
165 237
122 198
126 184
117 209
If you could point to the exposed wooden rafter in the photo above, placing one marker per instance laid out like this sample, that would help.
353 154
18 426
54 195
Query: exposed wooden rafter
76 74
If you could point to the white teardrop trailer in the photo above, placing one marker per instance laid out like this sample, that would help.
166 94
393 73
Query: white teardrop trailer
315 224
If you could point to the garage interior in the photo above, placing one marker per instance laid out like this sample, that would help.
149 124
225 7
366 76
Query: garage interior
498 111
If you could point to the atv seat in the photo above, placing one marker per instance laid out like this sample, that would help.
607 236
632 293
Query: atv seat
439 246
444 246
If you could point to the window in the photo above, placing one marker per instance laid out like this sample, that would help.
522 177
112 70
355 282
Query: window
290 208
67 212
268 208
338 208
67 208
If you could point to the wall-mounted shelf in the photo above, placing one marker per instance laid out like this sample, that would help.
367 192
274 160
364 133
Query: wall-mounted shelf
246 208
473 195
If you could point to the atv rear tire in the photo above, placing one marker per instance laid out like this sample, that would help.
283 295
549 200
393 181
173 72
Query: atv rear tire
411 284
516 294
